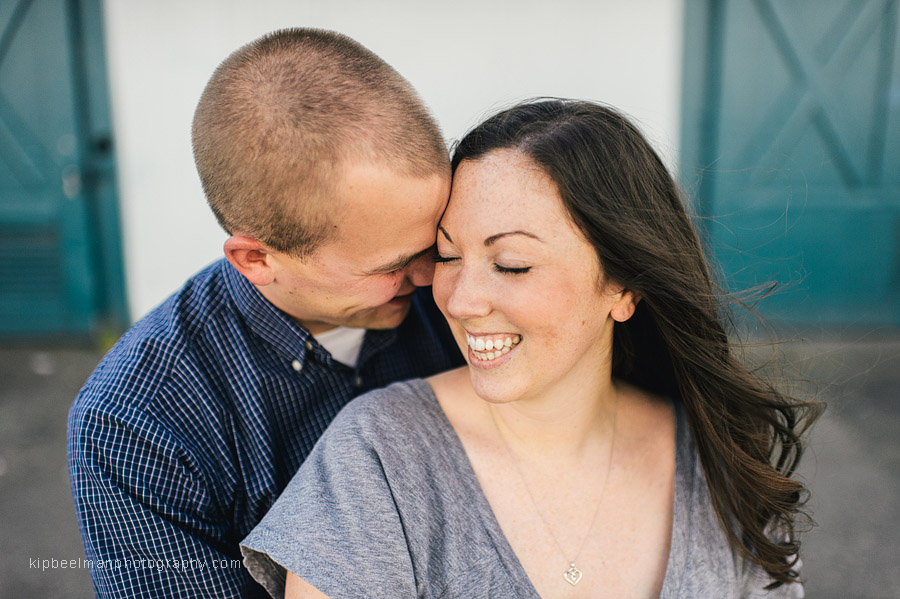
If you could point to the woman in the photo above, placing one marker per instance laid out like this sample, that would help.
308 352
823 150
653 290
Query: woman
603 440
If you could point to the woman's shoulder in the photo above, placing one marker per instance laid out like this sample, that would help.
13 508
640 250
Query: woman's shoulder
396 396
374 439
400 409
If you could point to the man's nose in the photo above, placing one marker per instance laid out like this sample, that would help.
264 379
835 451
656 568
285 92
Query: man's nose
420 271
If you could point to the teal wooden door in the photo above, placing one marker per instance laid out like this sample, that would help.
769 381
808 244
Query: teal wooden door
55 173
792 142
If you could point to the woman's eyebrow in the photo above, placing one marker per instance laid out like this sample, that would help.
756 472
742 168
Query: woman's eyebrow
445 233
490 240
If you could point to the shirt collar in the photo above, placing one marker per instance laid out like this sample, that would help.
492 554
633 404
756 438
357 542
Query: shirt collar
282 332
375 341
279 330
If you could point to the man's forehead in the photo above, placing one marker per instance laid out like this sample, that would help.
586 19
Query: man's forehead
384 220
372 249
358 184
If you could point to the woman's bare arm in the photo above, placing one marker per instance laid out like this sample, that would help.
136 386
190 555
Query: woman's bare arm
297 588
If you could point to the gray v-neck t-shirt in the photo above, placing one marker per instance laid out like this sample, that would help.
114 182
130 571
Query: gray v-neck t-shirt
387 505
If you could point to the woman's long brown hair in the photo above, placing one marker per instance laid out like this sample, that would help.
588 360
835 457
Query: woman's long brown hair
619 193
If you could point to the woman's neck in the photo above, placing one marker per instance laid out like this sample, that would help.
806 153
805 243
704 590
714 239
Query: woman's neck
564 424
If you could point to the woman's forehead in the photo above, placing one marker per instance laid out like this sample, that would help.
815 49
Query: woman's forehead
504 189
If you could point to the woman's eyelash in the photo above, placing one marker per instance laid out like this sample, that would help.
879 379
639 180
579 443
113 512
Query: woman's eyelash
506 270
511 271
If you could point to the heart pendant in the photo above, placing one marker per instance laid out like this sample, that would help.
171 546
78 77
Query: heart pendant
572 575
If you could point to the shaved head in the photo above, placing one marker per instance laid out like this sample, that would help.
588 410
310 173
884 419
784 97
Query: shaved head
282 116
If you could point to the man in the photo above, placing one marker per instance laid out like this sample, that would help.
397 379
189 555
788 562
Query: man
330 177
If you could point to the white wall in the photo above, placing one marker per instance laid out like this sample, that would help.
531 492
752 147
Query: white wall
465 58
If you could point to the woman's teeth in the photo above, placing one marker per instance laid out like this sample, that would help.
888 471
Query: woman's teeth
493 346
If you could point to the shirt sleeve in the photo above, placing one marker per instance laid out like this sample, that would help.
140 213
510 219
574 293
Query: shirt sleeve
755 579
336 525
144 513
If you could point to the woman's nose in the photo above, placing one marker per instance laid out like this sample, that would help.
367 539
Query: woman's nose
468 296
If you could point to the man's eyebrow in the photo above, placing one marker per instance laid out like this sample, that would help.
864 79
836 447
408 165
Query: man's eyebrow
400 263
490 240
446 234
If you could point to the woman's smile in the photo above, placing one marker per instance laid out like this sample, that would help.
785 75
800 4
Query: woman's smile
485 350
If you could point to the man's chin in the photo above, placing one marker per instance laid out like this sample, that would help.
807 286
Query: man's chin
389 316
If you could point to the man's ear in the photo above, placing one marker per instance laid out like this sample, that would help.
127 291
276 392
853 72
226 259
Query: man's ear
251 258
624 306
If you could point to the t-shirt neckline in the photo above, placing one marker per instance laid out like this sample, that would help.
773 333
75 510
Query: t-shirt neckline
517 574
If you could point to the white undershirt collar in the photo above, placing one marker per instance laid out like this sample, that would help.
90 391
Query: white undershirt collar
343 343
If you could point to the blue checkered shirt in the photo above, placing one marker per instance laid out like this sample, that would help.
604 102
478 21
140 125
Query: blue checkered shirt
194 423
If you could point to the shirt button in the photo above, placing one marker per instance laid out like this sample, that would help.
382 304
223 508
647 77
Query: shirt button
296 365
359 381
309 345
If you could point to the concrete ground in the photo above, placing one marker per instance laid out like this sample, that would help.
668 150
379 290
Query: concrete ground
852 467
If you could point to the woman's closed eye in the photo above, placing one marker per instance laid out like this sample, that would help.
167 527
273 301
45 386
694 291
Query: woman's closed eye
509 270
506 270
438 259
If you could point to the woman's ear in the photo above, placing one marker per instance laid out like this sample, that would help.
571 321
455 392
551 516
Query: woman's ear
251 258
624 306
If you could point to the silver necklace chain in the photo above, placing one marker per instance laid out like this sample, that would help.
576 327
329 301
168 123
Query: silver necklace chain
573 574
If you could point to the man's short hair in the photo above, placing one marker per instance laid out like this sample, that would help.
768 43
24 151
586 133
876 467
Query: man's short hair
279 118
